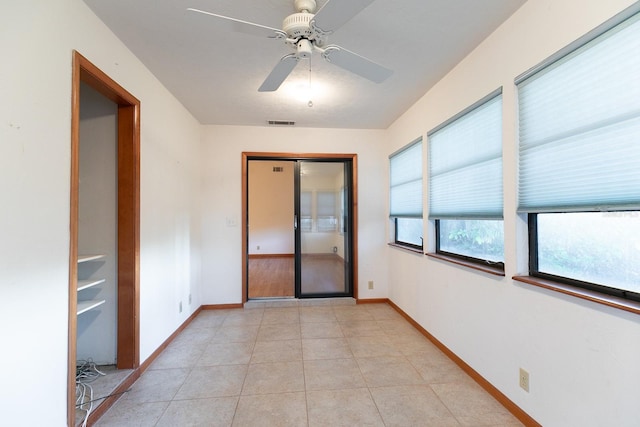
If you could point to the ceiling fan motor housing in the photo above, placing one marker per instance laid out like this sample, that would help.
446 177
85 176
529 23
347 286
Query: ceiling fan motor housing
297 25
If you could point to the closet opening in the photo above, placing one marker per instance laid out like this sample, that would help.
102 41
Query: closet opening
104 242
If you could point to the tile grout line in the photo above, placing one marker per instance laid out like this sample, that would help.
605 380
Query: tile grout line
405 349
190 370
304 376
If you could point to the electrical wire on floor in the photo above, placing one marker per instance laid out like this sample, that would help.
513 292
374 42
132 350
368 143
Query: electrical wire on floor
86 373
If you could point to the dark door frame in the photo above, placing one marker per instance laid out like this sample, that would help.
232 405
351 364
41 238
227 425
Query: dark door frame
348 237
128 339
246 156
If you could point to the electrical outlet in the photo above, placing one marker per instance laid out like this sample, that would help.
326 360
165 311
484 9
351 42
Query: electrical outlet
370 284
189 299
180 307
258 247
524 380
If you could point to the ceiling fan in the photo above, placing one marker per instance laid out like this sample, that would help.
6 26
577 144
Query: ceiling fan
305 32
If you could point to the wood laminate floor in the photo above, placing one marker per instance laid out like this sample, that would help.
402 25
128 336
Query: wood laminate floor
271 277
274 277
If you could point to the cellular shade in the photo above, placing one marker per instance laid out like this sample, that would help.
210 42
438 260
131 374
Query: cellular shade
326 203
406 182
580 127
305 204
465 163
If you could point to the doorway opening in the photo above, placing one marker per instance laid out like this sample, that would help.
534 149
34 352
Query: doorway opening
299 219
105 242
271 239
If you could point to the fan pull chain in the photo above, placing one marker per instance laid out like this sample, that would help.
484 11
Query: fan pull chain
310 103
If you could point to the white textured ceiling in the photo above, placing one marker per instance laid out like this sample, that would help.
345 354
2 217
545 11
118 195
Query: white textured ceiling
216 74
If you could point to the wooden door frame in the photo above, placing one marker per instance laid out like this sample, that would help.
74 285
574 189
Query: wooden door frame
128 333
246 156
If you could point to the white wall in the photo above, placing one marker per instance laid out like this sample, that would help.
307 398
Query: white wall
271 206
582 357
36 39
221 199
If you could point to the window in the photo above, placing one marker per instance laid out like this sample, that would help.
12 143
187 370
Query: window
564 247
479 239
579 160
465 183
326 211
409 231
323 213
306 219
406 194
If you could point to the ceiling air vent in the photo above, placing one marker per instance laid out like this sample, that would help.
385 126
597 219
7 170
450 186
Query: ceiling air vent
281 123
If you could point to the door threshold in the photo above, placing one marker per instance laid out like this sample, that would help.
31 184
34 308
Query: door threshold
295 302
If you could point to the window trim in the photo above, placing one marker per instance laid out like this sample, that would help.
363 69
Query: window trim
593 296
603 290
469 261
406 248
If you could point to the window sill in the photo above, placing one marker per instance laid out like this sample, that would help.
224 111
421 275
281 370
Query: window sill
597 297
468 264
406 248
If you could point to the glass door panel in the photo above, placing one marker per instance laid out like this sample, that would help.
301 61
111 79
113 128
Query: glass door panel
323 229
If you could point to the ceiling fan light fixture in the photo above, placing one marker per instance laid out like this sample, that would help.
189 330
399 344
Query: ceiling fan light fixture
302 92
305 49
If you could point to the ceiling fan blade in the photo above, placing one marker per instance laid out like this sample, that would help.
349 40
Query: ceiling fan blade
356 64
335 13
231 24
279 73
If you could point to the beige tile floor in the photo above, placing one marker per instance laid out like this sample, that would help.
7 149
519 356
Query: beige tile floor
329 365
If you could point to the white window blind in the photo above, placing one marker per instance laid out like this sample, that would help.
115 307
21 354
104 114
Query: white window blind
580 127
406 182
326 211
326 203
305 204
306 222
465 163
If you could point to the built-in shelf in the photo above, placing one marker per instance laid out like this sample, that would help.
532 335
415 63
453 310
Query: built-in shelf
85 258
86 284
84 306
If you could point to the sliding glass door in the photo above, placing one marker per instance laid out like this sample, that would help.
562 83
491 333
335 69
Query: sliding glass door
299 227
323 228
